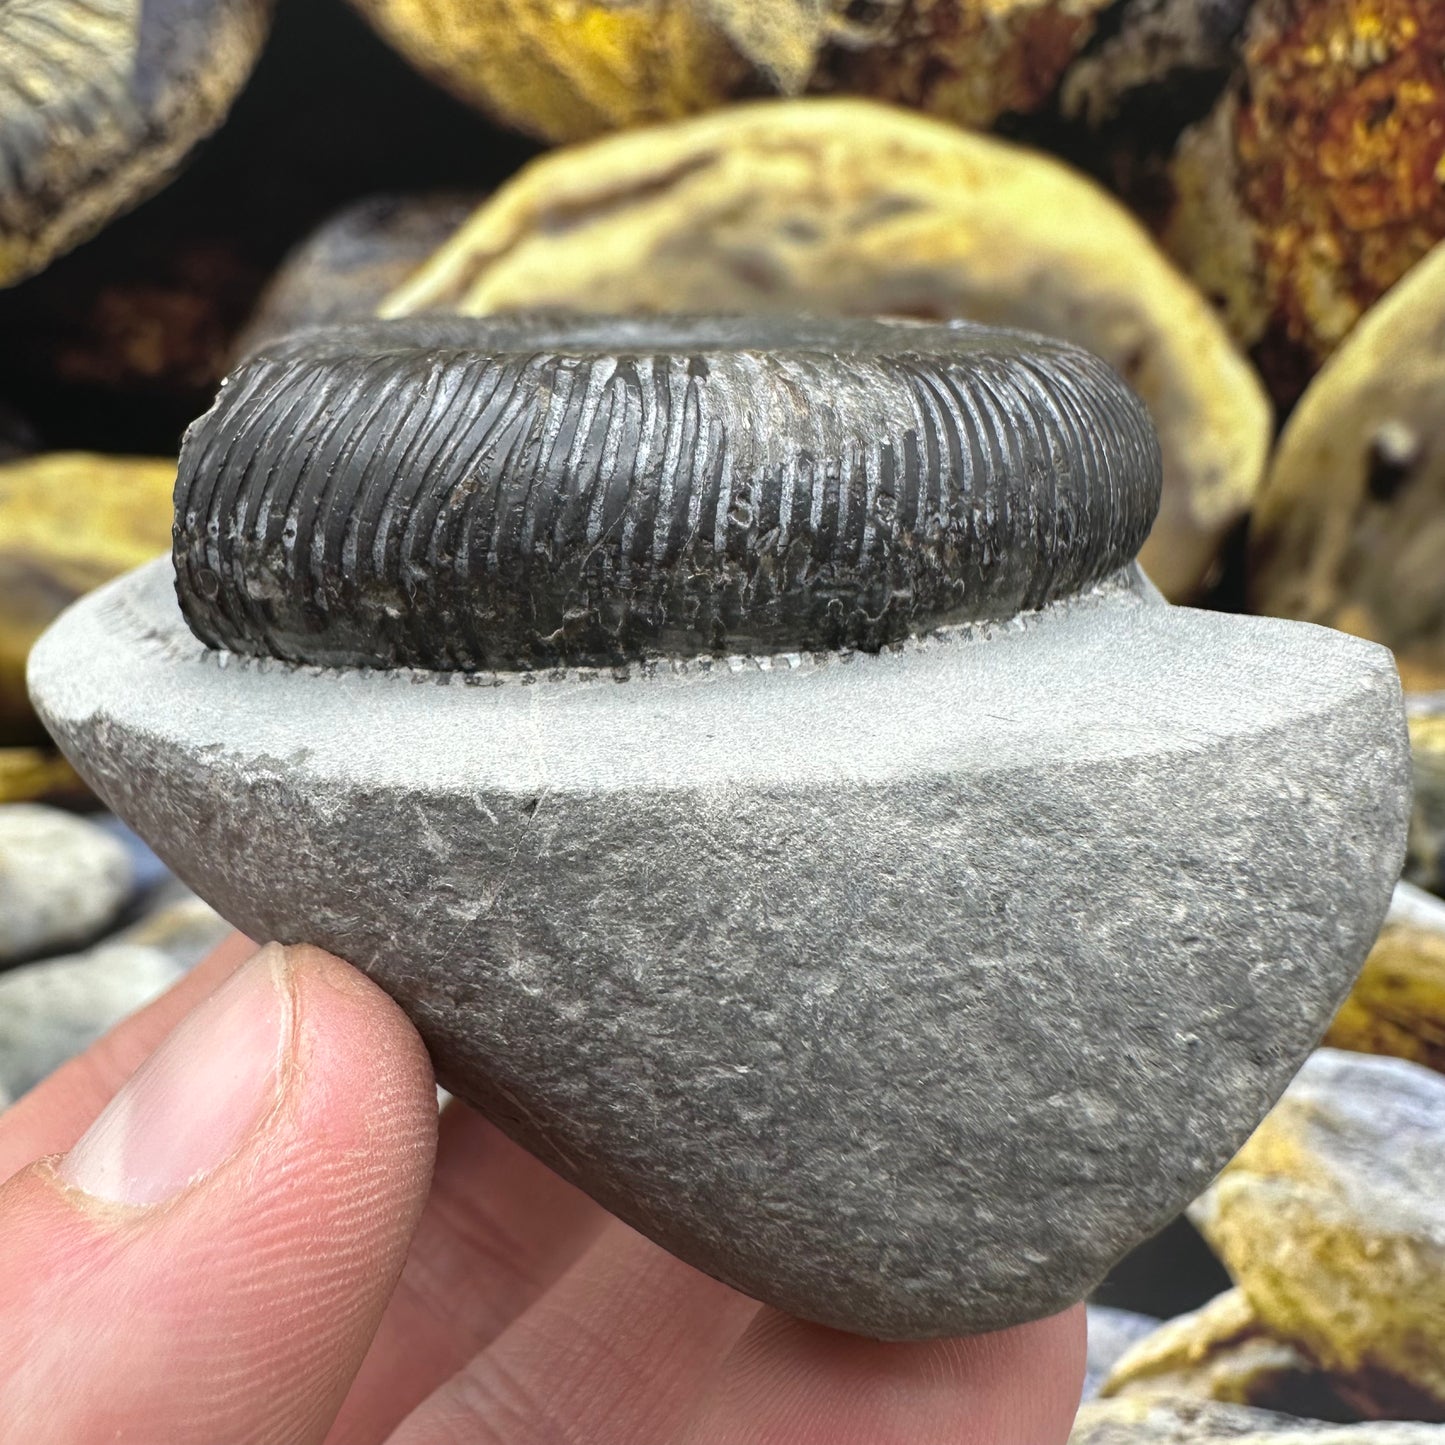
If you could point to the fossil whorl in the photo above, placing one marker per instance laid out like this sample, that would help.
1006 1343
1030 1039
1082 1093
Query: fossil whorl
99 102
512 493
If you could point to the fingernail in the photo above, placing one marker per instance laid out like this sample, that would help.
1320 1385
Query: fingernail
197 1099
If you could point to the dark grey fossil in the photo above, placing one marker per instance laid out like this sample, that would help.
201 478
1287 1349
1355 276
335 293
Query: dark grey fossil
898 924
460 494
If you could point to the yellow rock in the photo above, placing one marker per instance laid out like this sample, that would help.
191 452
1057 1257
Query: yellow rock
1221 1352
1349 529
572 69
1331 1220
31 775
852 208
68 522
1397 1005
100 101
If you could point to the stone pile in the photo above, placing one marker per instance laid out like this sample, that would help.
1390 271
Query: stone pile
1237 203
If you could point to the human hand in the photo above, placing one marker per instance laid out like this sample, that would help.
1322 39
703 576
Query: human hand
251 1244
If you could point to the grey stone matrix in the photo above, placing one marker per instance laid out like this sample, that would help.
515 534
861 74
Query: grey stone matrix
904 992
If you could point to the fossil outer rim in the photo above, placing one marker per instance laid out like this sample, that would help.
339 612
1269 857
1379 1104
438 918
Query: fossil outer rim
462 494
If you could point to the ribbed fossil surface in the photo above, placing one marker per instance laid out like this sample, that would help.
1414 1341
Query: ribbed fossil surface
473 494
99 101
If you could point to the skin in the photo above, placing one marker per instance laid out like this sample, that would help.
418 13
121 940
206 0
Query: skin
358 1272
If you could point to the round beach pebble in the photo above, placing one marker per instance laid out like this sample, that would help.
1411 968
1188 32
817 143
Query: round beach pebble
62 880
53 1009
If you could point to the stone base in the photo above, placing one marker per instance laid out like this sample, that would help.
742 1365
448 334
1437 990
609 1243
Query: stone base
904 992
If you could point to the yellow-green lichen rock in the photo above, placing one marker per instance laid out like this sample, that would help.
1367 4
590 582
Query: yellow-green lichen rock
1331 1220
99 102
68 522
1349 529
1222 1351
1397 1005
852 208
572 69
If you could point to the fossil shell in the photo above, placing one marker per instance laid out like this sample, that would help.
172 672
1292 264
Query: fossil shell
850 208
99 102
462 494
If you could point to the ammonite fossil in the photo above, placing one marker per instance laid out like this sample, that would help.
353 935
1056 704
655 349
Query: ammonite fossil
463 494
890 906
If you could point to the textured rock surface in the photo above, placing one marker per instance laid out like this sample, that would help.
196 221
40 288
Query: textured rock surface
1315 185
68 521
1425 861
100 101
569 71
1190 1422
1332 1221
775 956
1224 1352
1397 1005
343 270
51 1010
532 492
62 880
846 208
1350 526
1112 1333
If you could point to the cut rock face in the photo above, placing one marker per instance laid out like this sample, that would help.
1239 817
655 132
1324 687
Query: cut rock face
902 989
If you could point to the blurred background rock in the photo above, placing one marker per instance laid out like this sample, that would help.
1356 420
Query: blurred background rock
1239 203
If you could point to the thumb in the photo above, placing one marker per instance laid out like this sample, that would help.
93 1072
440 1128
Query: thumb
211 1260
